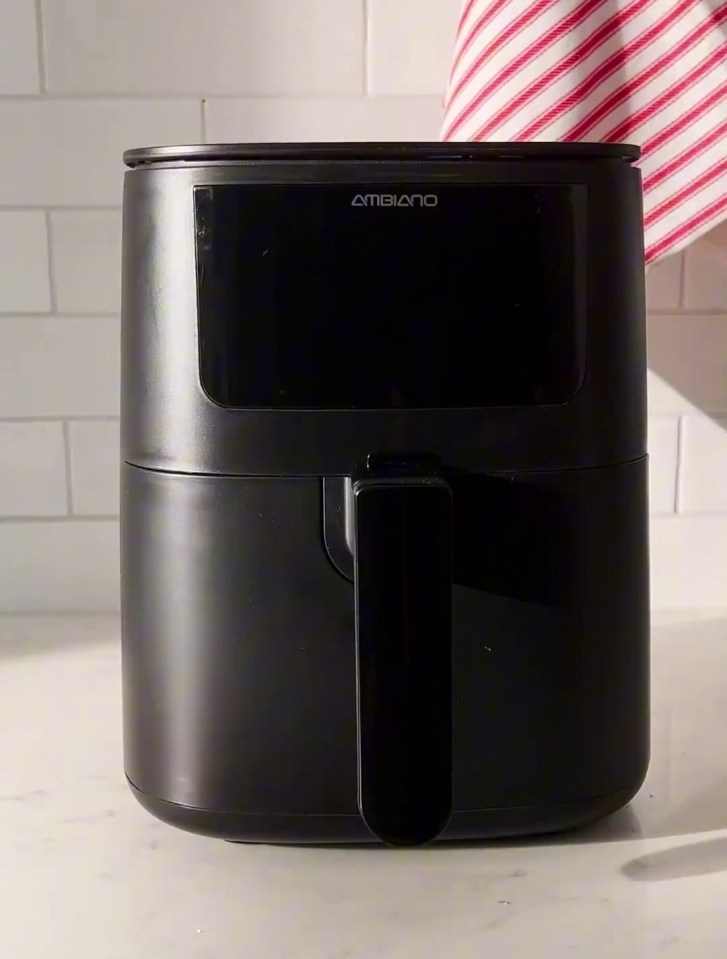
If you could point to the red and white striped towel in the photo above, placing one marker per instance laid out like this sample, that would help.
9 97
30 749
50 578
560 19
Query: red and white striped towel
650 72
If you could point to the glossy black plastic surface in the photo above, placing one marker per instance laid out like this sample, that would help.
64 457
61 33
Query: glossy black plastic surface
337 296
239 525
239 658
169 422
211 153
403 599
509 821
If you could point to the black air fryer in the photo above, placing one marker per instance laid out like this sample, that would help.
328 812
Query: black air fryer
384 508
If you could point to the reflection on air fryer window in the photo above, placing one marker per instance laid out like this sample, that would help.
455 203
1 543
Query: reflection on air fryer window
330 297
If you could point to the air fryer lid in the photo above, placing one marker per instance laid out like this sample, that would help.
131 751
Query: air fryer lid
214 153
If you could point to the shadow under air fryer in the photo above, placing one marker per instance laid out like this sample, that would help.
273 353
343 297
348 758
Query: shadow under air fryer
384 491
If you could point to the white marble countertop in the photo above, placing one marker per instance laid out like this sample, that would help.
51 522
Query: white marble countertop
85 872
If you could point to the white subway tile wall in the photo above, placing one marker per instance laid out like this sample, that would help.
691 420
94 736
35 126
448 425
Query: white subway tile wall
688 561
665 284
323 118
255 47
86 257
689 351
83 83
706 274
24 276
68 152
664 452
410 45
703 480
33 474
19 67
94 451
59 366
60 565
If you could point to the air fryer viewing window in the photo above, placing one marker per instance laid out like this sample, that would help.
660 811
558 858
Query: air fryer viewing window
340 296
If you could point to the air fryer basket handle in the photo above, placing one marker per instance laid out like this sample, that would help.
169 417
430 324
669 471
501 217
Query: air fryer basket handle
403 586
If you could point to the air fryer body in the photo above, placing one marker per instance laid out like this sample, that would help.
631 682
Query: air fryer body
329 351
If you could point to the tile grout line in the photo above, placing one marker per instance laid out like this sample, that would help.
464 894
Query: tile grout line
673 311
683 280
40 46
57 208
687 517
66 519
60 419
366 41
679 478
51 264
193 97
67 455
80 612
61 613
114 96
56 315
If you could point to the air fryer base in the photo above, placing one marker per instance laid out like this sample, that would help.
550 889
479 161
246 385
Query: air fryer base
469 824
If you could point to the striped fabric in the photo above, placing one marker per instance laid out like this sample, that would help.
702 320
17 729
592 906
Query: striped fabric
651 72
